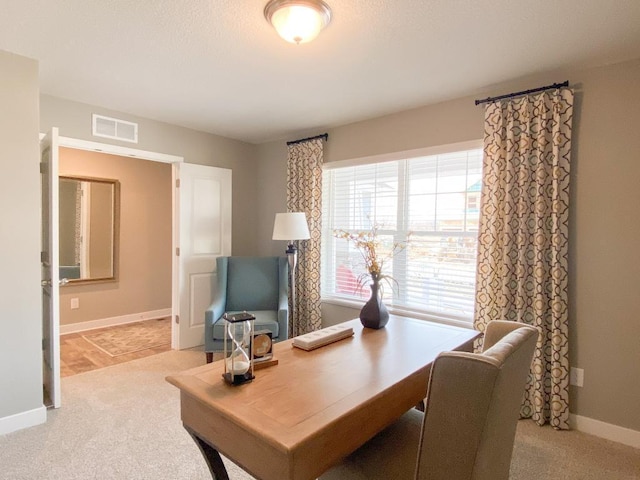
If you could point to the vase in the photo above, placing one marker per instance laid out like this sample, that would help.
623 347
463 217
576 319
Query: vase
374 314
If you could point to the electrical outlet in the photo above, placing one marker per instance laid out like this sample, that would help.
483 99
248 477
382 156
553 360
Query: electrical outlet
75 303
576 377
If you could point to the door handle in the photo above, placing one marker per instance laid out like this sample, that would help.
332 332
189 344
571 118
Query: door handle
47 283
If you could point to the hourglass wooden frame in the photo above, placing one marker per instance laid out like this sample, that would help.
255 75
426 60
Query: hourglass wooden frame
238 354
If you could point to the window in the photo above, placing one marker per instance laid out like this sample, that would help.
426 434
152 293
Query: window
433 198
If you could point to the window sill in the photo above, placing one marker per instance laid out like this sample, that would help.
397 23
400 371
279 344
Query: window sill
456 322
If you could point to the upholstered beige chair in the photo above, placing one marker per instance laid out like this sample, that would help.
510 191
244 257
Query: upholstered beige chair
468 428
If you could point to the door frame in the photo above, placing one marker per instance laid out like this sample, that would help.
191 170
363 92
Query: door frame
175 162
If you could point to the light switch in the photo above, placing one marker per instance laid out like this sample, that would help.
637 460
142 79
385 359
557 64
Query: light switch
576 377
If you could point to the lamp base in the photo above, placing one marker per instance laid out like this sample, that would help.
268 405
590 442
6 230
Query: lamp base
292 255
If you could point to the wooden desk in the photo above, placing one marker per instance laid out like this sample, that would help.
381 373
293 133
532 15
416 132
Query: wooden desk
297 419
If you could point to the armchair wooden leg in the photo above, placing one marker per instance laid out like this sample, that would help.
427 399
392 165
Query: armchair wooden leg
209 357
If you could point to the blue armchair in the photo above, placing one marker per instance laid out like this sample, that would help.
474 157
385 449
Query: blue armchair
258 285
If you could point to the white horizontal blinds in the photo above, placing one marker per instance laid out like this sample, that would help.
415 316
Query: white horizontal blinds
354 199
434 199
443 211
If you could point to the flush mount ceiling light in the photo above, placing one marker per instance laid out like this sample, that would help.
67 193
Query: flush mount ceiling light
298 21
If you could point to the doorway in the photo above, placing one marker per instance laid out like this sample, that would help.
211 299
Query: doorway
201 232
50 146
115 259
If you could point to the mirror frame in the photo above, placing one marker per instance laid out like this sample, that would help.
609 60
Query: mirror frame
115 230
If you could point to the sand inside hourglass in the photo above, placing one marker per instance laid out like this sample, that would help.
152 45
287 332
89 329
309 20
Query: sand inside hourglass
237 364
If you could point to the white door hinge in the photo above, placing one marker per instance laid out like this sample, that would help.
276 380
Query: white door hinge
177 183
178 319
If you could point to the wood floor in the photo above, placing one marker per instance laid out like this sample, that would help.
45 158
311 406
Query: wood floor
78 356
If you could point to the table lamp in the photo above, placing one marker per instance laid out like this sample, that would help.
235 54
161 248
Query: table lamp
291 226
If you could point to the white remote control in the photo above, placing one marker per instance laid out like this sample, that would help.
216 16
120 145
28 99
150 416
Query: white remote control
320 338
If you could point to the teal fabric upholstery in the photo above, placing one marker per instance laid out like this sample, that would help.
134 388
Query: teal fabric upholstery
258 285
265 320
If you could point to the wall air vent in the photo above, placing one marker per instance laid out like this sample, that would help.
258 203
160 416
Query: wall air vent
115 129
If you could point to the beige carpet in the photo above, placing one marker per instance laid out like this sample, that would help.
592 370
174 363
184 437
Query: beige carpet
543 453
123 422
132 338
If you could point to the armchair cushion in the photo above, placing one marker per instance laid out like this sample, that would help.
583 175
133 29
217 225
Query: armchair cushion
389 455
265 320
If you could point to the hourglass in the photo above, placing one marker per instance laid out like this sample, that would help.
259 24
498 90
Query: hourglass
238 364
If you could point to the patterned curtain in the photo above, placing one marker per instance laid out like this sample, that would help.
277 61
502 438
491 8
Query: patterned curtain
523 237
304 194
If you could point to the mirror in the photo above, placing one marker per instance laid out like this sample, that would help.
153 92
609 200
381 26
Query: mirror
88 229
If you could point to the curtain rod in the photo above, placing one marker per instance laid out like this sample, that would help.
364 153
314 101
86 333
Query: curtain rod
524 92
324 135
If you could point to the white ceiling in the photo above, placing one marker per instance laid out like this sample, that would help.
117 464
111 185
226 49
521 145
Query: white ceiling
217 66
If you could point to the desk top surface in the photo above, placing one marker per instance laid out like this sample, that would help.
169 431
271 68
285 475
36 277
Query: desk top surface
306 392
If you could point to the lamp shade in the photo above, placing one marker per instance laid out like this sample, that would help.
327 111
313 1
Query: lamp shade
291 226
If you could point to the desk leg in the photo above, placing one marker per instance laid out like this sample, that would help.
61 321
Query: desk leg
211 455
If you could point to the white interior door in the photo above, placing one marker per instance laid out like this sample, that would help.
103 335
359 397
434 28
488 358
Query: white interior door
50 267
205 234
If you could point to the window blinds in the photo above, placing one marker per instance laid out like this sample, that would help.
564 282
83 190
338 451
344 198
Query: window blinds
433 200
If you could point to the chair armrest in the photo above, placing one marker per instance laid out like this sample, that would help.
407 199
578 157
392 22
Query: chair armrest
219 303
214 311
283 320
211 316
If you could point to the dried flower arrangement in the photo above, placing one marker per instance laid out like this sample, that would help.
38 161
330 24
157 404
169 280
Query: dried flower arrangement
369 245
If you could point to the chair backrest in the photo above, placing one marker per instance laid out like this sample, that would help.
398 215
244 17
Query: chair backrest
473 405
252 283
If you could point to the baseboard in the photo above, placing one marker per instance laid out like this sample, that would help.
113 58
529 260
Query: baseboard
21 420
608 431
112 321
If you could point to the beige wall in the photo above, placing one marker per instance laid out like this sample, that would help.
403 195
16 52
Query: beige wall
74 120
604 258
143 265
271 194
20 301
